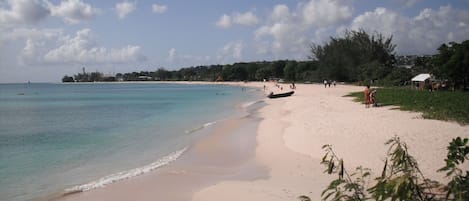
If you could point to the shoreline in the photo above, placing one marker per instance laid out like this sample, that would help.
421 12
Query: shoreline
197 166
284 162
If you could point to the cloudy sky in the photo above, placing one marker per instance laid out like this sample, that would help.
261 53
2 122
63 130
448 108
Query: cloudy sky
42 40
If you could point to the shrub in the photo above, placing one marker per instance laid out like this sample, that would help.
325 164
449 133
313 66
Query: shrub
401 178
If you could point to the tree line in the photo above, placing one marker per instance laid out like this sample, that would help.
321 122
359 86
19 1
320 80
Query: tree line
357 56
243 71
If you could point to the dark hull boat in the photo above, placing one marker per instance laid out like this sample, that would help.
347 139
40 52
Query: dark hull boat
272 95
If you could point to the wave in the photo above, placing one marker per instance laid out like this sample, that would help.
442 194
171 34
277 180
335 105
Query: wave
126 174
247 105
200 127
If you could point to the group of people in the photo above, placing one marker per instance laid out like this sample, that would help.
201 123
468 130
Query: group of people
370 97
329 82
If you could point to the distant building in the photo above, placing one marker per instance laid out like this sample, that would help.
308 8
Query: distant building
144 78
421 81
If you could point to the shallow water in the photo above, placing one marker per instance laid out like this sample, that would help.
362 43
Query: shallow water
57 136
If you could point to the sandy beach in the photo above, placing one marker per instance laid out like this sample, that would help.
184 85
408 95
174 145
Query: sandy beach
281 160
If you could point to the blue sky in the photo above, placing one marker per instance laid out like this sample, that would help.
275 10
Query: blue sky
42 40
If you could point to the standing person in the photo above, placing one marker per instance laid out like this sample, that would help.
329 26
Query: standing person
325 83
329 83
367 96
333 82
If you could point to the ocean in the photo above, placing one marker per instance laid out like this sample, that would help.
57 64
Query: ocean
76 137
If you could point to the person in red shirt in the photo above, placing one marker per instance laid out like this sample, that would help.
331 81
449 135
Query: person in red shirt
367 96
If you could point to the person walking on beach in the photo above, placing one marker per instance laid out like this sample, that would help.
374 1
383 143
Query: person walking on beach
367 96
325 83
333 82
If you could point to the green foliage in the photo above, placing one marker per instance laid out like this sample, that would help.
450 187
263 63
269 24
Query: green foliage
458 187
244 71
400 178
290 70
263 73
67 79
345 187
452 63
442 105
356 56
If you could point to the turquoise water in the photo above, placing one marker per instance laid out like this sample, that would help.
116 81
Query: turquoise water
59 136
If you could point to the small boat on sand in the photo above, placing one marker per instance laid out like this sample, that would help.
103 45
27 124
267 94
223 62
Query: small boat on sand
272 95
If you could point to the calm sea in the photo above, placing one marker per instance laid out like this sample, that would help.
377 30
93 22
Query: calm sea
82 136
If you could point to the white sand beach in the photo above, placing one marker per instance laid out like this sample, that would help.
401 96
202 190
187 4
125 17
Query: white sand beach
285 159
294 129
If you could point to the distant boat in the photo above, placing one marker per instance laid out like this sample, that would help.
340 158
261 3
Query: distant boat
272 95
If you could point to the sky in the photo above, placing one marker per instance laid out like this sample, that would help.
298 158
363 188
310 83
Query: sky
43 40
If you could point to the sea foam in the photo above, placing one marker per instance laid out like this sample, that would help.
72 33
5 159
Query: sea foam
201 127
126 174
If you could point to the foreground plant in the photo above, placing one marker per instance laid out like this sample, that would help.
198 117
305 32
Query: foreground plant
458 187
401 178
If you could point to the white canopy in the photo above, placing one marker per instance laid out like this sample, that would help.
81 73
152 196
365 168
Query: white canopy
421 77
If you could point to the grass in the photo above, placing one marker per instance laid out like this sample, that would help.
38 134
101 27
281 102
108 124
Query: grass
442 105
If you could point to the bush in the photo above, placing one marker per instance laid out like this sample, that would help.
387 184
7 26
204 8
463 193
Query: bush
401 178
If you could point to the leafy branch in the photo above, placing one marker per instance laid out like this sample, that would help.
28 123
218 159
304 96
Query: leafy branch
401 178
458 187
347 186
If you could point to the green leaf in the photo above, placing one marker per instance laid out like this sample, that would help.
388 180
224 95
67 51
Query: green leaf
331 166
304 198
341 170
383 173
324 157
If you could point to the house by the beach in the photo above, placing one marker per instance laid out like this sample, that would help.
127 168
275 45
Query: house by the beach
421 81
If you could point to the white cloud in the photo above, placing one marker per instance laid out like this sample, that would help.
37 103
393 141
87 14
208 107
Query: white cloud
420 34
124 8
224 21
321 13
172 54
35 34
285 38
381 19
232 51
289 33
24 12
35 41
245 19
159 8
31 52
52 46
74 11
176 59
407 3
280 13
83 49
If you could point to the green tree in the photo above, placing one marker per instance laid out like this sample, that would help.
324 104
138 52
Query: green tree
289 71
263 73
349 58
67 79
277 68
452 63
